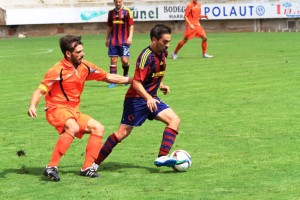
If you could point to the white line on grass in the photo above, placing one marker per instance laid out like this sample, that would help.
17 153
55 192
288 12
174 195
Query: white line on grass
39 51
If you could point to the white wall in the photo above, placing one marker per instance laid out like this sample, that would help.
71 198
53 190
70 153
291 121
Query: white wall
159 12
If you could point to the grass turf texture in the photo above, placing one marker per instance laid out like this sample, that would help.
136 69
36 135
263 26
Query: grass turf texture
239 111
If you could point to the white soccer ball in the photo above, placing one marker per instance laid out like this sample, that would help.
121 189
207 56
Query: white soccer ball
184 157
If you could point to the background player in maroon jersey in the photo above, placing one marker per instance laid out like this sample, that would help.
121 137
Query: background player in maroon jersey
119 37
141 100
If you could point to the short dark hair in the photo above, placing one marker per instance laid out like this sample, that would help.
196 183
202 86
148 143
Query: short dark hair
158 30
69 43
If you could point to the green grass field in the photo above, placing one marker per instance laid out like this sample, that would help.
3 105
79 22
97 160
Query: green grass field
240 122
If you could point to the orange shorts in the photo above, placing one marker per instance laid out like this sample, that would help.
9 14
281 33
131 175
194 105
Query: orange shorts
57 117
198 31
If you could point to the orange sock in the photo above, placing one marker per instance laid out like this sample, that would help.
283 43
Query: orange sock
92 150
204 46
178 47
62 145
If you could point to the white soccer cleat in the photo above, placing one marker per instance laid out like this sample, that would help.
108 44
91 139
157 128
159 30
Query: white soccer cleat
207 56
95 166
165 161
174 56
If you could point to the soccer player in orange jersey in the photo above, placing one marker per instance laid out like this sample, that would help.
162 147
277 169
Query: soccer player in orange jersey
193 29
62 86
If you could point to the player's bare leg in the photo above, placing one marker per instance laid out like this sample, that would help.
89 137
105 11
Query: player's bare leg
111 142
178 47
204 47
125 65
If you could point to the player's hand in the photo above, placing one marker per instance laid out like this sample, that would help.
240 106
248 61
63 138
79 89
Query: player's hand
106 43
192 26
205 16
152 104
165 89
32 112
129 41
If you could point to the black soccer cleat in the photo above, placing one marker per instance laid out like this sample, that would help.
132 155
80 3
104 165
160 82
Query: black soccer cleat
89 172
52 173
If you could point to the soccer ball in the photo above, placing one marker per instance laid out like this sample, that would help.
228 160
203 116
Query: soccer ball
184 156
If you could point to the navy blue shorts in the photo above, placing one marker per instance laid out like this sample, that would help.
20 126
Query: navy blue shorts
119 51
135 111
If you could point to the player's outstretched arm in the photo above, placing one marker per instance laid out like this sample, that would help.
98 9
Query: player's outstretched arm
35 98
117 79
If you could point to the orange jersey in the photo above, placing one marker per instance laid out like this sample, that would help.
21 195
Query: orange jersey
198 31
193 12
64 84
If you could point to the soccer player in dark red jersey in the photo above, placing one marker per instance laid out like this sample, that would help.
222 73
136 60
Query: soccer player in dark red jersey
141 100
119 37
193 29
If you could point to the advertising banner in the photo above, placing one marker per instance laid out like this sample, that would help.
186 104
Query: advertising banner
173 12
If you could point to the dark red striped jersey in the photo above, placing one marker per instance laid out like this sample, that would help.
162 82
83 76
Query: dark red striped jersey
150 70
119 21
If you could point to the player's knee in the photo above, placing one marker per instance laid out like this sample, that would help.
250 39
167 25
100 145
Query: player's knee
114 60
98 129
125 61
73 129
175 122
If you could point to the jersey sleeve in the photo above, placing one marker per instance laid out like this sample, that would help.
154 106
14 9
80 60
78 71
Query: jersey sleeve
187 10
130 17
109 19
95 73
51 76
143 65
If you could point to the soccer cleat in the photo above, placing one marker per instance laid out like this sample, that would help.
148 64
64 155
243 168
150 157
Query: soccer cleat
52 173
174 56
89 172
111 85
165 161
205 55
95 166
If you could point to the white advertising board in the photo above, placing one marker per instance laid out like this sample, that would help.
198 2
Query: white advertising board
152 13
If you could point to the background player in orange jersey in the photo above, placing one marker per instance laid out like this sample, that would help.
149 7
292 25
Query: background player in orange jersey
193 28
62 87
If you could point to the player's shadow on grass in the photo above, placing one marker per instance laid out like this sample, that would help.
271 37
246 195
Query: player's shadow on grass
105 167
36 171
118 167
32 171
124 167
115 166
